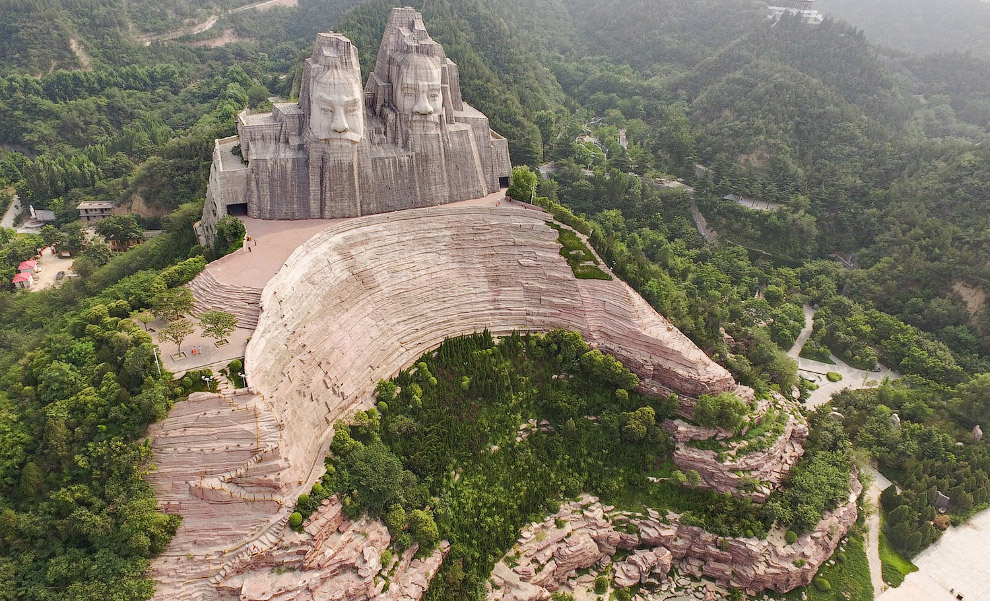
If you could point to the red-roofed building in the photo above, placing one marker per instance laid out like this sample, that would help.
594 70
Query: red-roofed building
28 267
23 280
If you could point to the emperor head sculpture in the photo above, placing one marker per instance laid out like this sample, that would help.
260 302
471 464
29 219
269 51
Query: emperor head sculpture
333 96
337 107
417 88
405 139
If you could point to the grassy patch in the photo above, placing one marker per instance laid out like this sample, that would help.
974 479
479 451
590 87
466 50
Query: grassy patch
895 567
834 376
849 579
583 262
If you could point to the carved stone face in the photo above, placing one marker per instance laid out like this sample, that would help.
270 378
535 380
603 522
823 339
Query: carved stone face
337 107
417 90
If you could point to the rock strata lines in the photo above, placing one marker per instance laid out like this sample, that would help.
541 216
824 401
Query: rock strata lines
356 303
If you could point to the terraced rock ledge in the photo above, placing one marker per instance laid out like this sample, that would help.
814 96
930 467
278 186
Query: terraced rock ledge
356 303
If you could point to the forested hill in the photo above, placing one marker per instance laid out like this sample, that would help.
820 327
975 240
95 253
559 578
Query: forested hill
920 26
875 161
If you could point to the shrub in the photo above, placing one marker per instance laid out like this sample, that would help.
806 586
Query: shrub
724 410
395 519
235 366
423 529
187 382
790 537
304 499
822 585
386 557
295 519
317 489
840 557
799 563
834 376
601 584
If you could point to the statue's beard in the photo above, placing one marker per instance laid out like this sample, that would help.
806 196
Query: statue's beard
343 141
424 123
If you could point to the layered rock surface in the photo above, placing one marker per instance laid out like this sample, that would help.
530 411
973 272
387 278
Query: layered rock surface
754 474
534 569
359 301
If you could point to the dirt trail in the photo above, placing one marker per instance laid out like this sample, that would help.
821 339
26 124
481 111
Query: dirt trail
210 22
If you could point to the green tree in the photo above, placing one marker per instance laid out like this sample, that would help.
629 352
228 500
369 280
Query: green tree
171 303
119 227
176 331
230 234
423 529
376 475
724 410
637 424
217 324
50 235
523 184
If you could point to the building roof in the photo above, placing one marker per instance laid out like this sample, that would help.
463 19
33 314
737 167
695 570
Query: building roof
21 277
27 265
94 204
44 215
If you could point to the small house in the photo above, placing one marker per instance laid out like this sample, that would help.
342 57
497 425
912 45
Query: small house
28 267
23 280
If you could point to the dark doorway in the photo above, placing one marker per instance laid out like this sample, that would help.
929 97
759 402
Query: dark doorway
503 182
237 210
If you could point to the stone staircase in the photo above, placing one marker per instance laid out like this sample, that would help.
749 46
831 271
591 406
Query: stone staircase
213 295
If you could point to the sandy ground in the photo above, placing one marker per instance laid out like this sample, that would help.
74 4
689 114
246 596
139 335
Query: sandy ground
955 565
273 241
51 264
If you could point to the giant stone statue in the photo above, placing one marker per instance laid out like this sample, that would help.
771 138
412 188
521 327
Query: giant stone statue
406 140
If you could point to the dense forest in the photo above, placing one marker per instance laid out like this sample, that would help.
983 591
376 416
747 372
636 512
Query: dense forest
875 158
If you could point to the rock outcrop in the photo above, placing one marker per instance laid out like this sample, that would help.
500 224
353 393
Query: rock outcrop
359 301
532 570
334 558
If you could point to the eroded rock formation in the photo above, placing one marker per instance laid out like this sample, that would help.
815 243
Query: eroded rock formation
738 468
356 303
406 140
586 533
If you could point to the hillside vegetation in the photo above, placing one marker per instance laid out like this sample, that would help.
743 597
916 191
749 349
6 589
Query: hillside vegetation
876 161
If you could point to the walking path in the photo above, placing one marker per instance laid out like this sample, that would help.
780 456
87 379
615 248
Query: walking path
699 221
815 371
11 214
873 539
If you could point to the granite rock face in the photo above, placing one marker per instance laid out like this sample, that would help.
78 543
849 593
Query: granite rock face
406 140
334 558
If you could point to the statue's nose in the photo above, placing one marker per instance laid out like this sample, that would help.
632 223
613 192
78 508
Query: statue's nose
422 106
339 123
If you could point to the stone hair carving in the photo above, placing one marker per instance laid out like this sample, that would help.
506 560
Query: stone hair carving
337 107
403 140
